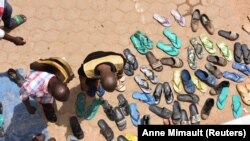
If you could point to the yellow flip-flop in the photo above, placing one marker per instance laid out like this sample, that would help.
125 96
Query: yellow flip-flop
177 83
131 137
199 84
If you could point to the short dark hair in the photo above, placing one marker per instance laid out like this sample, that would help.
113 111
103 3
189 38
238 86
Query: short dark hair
60 92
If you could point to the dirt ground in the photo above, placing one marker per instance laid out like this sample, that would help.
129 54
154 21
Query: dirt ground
75 28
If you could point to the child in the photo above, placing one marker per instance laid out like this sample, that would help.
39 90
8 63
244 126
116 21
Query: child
42 86
10 23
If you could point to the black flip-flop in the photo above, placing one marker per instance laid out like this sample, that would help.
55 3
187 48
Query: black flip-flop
157 93
120 119
232 36
194 114
128 69
238 52
16 77
161 112
192 98
76 128
207 107
123 104
105 130
121 138
246 53
184 118
168 93
108 110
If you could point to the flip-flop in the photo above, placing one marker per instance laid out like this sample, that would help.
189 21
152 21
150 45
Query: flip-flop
1 121
93 109
120 86
242 68
222 98
149 74
144 97
128 69
246 53
167 48
214 70
17 21
202 87
227 54
138 46
195 20
217 60
208 44
154 62
80 104
234 76
145 41
244 93
131 137
238 52
135 114
178 17
161 112
236 106
173 38
162 20
143 84
191 58
16 77
191 98
197 47
230 35
177 82
131 59
173 62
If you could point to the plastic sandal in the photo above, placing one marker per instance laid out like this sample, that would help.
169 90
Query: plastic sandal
144 97
178 17
242 68
138 46
93 109
17 21
207 43
244 93
162 20
120 86
145 41
131 137
236 106
233 76
197 47
149 74
173 38
230 35
177 83
191 58
135 114
169 49
143 84
154 62
227 54
199 84
222 98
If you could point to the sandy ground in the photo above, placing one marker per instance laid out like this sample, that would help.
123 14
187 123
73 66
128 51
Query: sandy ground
75 28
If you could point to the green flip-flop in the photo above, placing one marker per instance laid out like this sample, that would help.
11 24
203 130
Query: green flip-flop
173 38
222 98
138 46
80 104
169 49
227 54
92 109
191 58
145 41
236 106
208 44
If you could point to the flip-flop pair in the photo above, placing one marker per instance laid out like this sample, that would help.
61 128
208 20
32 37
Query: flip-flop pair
141 42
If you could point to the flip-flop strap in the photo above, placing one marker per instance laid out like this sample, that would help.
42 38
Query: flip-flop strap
156 64
225 50
236 110
207 42
177 85
143 83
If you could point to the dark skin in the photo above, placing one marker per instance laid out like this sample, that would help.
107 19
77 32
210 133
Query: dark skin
19 41
52 83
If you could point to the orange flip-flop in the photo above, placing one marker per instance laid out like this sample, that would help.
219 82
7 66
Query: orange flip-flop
243 90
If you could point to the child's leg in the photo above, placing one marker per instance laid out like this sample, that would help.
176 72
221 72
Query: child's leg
49 112
7 14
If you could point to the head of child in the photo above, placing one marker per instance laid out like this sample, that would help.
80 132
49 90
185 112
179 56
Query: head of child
108 81
58 90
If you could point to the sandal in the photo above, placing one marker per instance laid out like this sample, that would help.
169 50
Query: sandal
49 112
167 48
230 35
244 93
191 58
238 52
154 62
16 77
138 46
76 128
120 86
217 60
145 41
173 38
197 47
178 17
131 59
162 20
227 54
92 109
177 82
208 44
236 106
144 97
80 104
143 84
173 62
149 74
199 84
17 21
214 70
222 98
135 114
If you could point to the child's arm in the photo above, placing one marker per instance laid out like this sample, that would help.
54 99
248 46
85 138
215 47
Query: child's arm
16 40
29 108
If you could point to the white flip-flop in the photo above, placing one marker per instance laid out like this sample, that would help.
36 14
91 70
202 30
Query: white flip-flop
178 17
162 20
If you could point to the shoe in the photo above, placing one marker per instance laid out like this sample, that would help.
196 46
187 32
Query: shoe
176 116
121 138
157 93
108 110
206 109
76 128
188 84
161 112
198 47
184 118
120 119
169 97
105 130
195 117
207 24
123 104
192 98
214 70
195 20
210 80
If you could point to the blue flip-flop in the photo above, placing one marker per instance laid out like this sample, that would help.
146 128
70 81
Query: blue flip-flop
187 82
222 98
233 76
144 97
236 106
242 68
135 114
